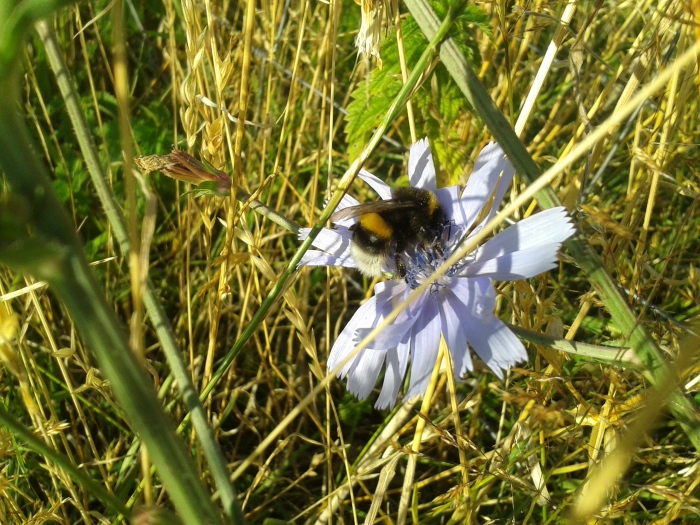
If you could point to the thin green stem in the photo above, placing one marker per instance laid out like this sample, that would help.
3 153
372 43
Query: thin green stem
62 461
54 253
173 354
607 354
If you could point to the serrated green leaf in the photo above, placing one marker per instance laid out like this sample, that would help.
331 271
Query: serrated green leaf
371 99
439 101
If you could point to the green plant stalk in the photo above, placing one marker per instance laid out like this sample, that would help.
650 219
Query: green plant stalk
16 17
162 325
608 354
52 253
396 106
589 262
62 461
45 244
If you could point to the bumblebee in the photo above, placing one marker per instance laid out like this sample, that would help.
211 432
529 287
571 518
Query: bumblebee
411 219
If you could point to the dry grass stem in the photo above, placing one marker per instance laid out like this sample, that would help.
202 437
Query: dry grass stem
254 101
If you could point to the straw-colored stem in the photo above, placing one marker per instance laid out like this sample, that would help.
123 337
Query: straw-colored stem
161 322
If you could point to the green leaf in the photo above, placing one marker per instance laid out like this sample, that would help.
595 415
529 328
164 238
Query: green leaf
439 101
207 188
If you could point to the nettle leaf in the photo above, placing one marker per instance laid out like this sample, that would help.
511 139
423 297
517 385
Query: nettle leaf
439 100
475 16
442 106
372 98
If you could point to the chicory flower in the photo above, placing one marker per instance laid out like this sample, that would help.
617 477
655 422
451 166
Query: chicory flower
460 304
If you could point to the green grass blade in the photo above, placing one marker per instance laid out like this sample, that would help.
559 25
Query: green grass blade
161 323
61 460
54 254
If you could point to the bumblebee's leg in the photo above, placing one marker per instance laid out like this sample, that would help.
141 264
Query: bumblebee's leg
400 268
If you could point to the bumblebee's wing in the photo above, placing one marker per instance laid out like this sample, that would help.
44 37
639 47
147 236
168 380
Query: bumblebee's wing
370 207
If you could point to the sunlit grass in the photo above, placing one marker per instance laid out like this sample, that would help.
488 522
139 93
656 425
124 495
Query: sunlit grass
524 446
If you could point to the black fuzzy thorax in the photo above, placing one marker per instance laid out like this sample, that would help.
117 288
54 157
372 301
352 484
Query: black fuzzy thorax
418 224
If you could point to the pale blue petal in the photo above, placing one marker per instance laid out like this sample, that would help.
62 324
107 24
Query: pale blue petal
490 338
421 170
524 249
391 287
345 344
363 376
424 351
336 242
449 200
367 316
496 345
490 153
345 223
514 266
396 364
377 184
303 233
390 335
347 201
318 258
508 172
452 310
489 165
544 228
364 368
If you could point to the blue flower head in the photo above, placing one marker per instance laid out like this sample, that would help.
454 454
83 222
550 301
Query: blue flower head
459 305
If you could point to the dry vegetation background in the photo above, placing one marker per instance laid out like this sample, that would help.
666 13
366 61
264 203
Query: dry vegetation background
524 447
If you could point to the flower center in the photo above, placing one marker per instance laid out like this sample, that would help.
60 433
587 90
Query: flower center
422 263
